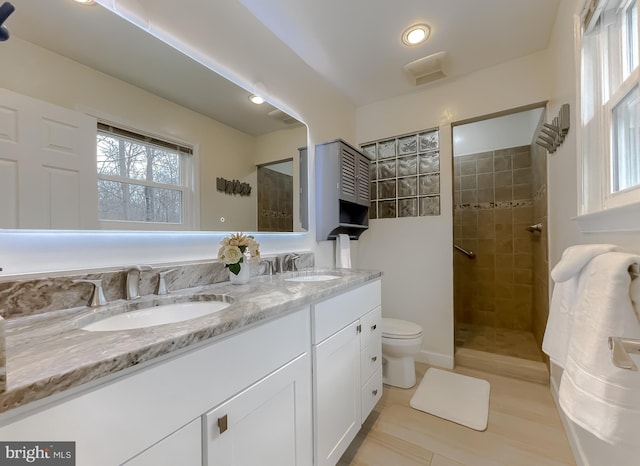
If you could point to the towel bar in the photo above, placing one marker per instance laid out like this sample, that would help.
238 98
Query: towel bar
620 349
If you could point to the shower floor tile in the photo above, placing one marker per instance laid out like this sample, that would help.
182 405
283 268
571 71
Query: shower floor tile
508 342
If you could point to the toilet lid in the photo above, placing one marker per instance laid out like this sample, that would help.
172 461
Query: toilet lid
397 328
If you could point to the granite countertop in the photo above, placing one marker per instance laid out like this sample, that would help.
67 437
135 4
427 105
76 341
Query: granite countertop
48 354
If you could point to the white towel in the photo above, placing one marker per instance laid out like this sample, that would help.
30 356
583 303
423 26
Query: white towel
343 252
567 274
595 394
574 258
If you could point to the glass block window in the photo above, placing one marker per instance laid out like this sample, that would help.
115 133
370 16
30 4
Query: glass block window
405 175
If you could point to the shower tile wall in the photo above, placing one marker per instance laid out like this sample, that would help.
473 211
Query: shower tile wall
275 200
493 206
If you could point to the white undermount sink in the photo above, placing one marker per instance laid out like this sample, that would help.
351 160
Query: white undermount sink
312 278
158 315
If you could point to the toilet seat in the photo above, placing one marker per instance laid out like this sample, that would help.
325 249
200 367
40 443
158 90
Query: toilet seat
398 329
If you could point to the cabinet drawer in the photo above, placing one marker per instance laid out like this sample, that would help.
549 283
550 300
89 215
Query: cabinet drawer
370 361
371 393
371 328
336 313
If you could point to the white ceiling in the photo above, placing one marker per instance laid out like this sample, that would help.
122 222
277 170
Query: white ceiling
355 44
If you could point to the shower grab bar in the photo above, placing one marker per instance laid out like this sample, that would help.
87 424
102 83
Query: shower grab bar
469 254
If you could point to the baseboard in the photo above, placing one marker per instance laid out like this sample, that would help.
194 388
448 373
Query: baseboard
444 361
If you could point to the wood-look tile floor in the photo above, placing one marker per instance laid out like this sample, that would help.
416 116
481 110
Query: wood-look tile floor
524 429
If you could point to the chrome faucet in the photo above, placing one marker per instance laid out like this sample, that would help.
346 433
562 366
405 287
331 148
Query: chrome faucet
270 266
133 280
289 262
97 297
162 282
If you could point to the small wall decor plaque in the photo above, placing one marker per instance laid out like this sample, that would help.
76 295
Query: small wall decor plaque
233 187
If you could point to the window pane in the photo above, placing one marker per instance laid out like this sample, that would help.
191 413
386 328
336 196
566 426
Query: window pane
132 160
626 143
136 203
631 38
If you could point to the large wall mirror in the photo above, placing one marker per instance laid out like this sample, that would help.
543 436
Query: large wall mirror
141 93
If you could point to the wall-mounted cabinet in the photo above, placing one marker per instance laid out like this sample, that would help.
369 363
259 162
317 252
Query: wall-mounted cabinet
342 190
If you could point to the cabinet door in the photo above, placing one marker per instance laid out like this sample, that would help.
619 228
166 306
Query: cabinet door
348 174
362 180
183 447
336 394
268 424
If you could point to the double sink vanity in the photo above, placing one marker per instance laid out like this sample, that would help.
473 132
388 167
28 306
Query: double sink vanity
280 371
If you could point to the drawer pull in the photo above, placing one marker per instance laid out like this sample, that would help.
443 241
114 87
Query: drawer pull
375 392
374 358
222 423
373 327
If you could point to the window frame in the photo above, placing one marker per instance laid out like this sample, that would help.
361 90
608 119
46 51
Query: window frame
188 183
600 208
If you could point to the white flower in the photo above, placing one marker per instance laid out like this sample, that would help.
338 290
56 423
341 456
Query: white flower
231 255
254 249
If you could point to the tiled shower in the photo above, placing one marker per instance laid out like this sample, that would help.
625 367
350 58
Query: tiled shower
500 296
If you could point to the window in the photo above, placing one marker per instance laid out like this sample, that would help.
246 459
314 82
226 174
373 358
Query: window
405 175
610 105
143 182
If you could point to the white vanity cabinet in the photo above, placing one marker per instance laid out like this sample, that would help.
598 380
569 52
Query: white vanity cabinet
155 414
259 426
181 447
347 368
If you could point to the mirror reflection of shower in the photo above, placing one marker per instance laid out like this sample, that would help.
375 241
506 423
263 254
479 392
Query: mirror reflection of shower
275 196
500 297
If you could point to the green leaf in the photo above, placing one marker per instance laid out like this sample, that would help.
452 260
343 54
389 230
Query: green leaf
235 268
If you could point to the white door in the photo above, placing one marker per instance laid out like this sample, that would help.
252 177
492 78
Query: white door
48 173
337 393
267 424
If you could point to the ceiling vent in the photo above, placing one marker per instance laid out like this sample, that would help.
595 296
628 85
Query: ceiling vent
283 117
426 69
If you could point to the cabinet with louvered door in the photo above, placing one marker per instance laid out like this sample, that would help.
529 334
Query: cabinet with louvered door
354 176
342 183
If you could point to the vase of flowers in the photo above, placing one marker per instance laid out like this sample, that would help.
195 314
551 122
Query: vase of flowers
235 253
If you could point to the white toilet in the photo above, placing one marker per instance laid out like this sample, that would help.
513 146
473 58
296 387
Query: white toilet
401 341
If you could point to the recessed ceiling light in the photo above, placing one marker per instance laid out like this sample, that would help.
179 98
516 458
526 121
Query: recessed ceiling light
256 99
85 2
416 34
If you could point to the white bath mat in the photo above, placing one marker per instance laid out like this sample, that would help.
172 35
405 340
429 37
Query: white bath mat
455 397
